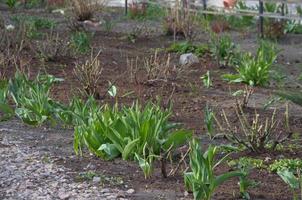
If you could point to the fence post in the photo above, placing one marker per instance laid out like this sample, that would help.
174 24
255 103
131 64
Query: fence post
126 7
204 4
261 18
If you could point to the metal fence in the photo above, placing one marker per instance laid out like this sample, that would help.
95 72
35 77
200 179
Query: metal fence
203 6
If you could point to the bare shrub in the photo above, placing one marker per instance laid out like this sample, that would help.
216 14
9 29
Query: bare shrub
85 9
52 48
88 75
183 21
155 68
255 132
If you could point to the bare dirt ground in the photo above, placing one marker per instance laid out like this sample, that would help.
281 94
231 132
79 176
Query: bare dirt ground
39 163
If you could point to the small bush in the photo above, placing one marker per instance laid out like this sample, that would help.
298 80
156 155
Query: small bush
85 9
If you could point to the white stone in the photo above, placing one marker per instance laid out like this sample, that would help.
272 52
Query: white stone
130 191
188 59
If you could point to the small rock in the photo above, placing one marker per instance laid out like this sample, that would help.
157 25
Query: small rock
111 197
105 191
188 59
130 191
96 179
64 196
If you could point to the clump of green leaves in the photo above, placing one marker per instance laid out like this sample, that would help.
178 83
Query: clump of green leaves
202 180
290 164
133 132
188 47
6 112
222 49
255 70
11 3
33 104
206 79
248 162
290 172
245 164
81 42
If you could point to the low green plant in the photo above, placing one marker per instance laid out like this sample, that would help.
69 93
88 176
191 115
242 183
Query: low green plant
209 121
245 165
294 180
33 104
255 70
11 3
108 25
290 172
81 42
202 180
33 3
289 164
222 49
188 47
6 112
248 162
206 79
130 132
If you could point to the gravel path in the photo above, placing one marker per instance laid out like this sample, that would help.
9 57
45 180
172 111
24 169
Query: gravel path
26 173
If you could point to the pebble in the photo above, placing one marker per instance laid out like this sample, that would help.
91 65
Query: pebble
130 191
